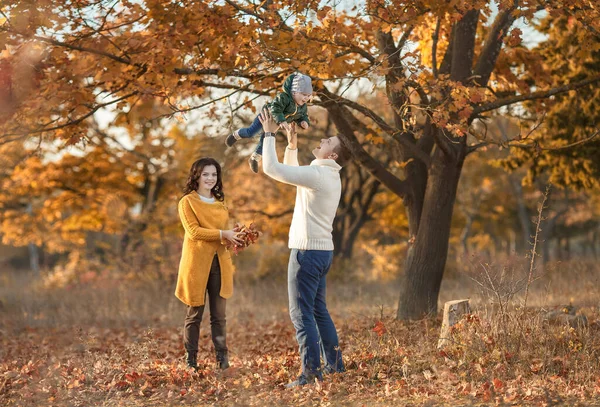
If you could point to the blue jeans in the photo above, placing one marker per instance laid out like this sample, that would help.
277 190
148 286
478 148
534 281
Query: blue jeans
315 330
251 131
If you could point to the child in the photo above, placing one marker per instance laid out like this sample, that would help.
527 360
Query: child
287 107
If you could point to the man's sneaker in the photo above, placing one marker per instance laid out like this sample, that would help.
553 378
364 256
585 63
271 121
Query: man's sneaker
302 380
254 162
327 370
232 138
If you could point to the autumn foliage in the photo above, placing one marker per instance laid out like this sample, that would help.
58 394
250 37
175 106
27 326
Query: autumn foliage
139 361
247 234
458 116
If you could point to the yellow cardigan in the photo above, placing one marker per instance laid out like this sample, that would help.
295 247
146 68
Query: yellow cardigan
202 222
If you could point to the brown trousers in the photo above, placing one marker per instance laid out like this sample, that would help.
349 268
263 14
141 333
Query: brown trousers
193 317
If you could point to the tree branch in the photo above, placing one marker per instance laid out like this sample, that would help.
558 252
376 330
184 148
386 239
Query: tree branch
404 38
463 47
72 122
332 98
533 145
493 44
532 96
403 138
443 142
57 43
347 136
394 73
285 27
126 61
446 64
435 38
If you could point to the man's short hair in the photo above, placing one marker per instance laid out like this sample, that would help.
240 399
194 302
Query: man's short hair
343 153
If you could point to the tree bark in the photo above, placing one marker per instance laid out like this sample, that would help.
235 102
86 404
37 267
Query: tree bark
466 232
522 212
353 210
424 269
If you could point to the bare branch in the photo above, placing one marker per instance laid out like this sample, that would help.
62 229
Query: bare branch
388 179
403 138
285 27
532 145
57 43
536 95
72 122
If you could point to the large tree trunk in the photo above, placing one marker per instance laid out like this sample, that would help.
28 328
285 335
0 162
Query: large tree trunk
426 261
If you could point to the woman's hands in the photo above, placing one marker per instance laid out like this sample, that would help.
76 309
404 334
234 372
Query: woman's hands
231 237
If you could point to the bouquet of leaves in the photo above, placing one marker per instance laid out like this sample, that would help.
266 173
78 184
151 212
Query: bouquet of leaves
247 234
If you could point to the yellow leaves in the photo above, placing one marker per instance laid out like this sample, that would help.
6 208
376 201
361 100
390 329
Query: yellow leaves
309 27
403 164
374 138
486 184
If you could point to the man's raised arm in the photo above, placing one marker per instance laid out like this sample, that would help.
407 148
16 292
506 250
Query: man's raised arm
307 176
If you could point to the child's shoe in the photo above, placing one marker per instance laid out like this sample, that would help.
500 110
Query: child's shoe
232 138
254 161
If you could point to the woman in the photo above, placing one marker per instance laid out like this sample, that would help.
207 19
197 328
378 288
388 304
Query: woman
205 261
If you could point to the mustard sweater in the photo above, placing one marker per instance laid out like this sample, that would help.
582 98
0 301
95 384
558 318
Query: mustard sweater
202 222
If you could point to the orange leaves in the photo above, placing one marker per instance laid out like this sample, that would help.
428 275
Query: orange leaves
456 109
379 328
514 38
396 365
248 235
375 138
323 13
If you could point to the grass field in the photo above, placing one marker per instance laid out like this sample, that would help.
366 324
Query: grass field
110 344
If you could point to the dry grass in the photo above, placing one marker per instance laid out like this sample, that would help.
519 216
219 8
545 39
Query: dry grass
120 344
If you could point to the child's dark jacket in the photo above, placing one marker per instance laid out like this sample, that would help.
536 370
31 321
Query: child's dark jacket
284 109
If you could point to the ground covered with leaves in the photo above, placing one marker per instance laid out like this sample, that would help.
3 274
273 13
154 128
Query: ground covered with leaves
388 362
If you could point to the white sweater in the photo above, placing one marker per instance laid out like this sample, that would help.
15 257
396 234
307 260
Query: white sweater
317 195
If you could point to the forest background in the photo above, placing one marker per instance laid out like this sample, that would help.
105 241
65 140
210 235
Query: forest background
476 156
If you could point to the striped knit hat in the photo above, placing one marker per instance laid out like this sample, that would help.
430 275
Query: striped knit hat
301 83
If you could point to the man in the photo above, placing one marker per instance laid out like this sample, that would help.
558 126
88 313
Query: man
317 197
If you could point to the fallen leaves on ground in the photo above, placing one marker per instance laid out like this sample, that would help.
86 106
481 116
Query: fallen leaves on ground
388 363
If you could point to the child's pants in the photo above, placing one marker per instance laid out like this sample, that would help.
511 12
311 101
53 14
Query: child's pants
251 131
